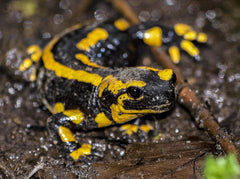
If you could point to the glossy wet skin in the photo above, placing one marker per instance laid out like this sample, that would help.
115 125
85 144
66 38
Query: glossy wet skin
84 94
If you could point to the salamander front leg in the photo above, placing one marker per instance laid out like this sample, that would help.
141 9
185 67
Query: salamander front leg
60 127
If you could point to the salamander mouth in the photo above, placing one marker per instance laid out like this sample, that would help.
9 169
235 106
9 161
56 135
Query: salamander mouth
152 110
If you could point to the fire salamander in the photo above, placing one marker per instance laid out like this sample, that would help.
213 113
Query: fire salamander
87 80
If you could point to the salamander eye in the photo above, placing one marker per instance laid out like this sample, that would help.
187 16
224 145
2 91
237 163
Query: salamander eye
134 92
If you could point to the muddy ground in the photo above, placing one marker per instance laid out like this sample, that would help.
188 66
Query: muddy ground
176 148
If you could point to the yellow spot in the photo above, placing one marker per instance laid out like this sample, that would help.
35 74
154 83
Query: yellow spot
165 74
153 36
146 128
85 60
189 48
182 29
66 72
75 115
102 120
191 35
129 129
65 134
58 107
121 24
92 38
33 75
174 54
114 85
85 149
35 52
202 37
119 117
25 64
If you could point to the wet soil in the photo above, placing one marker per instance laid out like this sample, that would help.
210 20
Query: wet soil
176 148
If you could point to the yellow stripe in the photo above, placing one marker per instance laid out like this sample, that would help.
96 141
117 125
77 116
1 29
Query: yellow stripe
121 115
65 134
121 118
85 60
66 72
75 115
148 68
102 120
92 39
85 149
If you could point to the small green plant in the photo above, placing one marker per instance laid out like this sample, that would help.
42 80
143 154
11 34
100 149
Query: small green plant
222 168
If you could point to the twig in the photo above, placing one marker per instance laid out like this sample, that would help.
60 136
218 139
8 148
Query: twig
186 96
35 169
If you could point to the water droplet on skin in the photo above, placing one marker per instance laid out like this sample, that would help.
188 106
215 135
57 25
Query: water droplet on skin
100 15
102 50
139 34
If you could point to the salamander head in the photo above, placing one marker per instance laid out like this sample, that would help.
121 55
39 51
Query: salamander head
133 92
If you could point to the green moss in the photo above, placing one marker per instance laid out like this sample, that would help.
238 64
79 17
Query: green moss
222 168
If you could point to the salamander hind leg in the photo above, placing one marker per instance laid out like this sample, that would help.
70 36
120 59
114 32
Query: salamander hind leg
61 127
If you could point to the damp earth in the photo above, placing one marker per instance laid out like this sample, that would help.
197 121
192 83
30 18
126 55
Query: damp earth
174 148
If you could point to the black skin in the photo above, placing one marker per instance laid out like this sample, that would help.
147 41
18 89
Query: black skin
84 96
